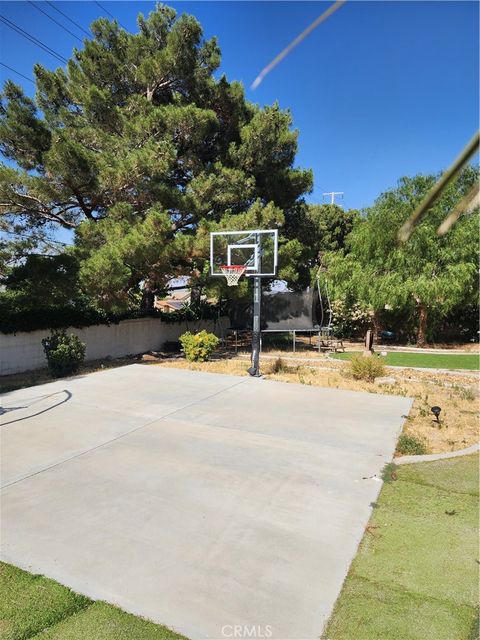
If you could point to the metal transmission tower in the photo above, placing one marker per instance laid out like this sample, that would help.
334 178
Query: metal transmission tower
332 195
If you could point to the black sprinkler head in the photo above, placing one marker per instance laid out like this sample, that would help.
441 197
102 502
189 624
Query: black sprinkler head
436 412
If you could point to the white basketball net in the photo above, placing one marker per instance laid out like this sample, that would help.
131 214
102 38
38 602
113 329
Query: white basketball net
233 273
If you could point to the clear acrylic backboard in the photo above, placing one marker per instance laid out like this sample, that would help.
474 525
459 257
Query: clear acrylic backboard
256 250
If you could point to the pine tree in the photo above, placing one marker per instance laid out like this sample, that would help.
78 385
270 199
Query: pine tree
141 150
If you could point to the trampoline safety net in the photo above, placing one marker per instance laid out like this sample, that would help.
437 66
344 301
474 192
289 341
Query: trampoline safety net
281 311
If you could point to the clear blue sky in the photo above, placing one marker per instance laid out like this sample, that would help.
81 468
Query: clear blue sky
380 90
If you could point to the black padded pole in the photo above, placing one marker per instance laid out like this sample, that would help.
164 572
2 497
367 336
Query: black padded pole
256 336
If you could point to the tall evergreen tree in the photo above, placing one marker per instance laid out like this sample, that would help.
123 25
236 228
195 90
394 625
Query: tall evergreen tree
141 150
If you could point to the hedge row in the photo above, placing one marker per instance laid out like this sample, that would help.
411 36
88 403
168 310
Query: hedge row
72 315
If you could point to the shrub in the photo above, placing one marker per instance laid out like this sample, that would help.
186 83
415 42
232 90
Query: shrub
64 353
280 366
350 320
198 347
366 368
410 445
466 393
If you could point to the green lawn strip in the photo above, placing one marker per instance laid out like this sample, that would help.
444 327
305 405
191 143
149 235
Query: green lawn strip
103 621
435 552
377 611
453 474
30 603
415 576
426 360
33 606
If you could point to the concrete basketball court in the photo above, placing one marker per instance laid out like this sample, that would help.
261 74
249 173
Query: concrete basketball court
200 501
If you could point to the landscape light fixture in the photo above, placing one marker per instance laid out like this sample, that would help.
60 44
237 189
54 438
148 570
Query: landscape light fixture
436 413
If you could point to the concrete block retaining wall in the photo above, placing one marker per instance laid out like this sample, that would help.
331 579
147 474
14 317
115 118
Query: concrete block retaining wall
23 351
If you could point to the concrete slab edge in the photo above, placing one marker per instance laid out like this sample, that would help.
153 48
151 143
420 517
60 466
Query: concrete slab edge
437 456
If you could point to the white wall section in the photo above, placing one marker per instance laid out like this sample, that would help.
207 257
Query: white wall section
24 352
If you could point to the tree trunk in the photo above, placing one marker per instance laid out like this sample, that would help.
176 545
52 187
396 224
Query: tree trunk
148 297
422 324
195 295
368 351
375 326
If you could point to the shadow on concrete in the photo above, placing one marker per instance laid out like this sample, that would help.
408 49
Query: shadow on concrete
3 410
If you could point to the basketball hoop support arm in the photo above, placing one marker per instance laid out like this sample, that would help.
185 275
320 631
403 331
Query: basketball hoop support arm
256 334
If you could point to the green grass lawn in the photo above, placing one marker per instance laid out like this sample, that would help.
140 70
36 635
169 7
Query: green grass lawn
32 606
429 360
416 574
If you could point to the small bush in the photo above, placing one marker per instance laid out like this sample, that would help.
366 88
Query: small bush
64 353
366 368
280 366
467 393
410 446
198 347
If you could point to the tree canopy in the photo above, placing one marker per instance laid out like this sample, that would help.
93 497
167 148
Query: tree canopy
44 281
328 227
427 274
140 149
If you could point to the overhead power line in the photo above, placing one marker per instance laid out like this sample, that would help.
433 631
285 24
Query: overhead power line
53 20
17 72
109 14
103 9
79 26
32 39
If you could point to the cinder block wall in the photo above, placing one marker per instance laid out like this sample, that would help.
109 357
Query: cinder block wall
23 351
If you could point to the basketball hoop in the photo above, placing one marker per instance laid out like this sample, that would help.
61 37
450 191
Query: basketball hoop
233 273
252 253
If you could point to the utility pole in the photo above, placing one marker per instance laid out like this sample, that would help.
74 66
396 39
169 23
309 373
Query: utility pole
332 195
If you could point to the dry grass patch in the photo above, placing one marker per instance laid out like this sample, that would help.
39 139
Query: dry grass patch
234 367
